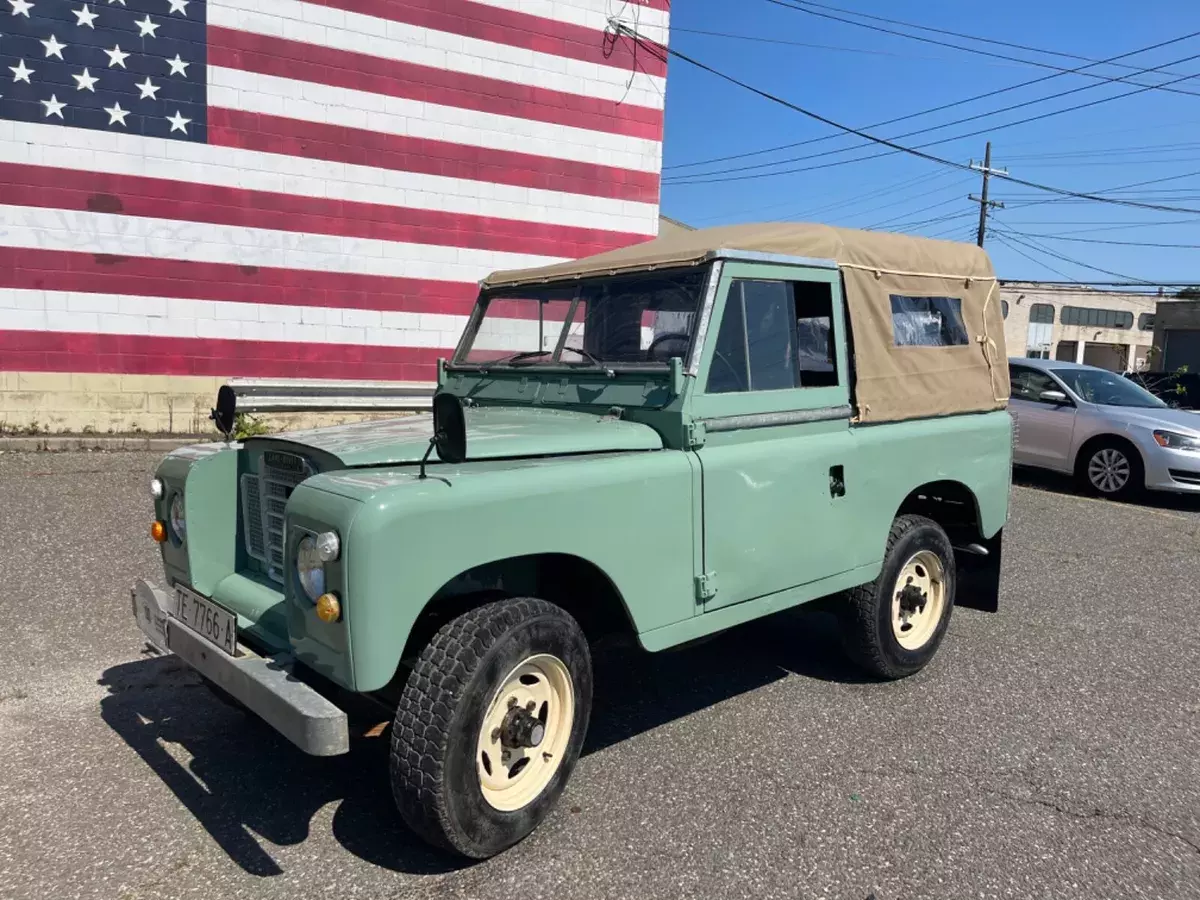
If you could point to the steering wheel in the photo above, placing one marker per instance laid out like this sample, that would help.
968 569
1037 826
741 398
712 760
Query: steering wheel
738 375
667 336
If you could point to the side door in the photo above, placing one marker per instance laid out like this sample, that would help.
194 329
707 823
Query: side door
1044 428
777 464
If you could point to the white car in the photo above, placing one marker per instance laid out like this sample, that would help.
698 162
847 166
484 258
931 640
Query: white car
1116 438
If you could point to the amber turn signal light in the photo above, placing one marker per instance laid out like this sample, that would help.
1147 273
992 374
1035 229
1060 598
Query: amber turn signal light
328 608
158 531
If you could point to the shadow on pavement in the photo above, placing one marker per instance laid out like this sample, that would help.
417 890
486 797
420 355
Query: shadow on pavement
245 780
1044 480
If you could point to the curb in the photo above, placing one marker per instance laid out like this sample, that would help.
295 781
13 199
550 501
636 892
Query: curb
59 443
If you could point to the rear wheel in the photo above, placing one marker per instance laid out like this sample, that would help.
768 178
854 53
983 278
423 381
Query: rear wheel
490 725
893 626
1111 468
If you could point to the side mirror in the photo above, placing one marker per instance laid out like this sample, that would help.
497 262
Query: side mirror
1057 397
449 428
226 411
449 431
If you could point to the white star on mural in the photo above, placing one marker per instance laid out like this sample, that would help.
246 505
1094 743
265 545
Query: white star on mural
146 27
21 7
53 47
116 115
84 16
148 89
116 56
179 6
178 66
178 122
53 106
21 72
85 81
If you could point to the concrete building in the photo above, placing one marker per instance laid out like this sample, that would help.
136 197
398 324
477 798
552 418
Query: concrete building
1176 336
309 189
1110 329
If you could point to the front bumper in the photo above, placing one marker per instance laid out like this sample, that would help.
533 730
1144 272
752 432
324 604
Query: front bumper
1172 470
265 685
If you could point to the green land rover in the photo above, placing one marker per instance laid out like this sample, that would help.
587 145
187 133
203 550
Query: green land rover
659 442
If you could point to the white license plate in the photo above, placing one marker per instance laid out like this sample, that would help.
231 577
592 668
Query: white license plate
207 619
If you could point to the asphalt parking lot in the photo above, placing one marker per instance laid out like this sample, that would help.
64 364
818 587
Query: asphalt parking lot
1052 750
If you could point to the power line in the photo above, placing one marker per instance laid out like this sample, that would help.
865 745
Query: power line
925 112
659 51
1079 240
1013 247
1048 252
793 5
721 175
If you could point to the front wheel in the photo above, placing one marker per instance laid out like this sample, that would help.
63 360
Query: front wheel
893 626
490 725
1111 469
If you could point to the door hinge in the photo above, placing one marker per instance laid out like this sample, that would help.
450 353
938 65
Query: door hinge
695 434
706 586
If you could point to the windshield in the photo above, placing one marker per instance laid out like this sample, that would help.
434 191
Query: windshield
1107 388
639 319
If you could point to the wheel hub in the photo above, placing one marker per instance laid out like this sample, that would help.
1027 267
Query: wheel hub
520 729
913 599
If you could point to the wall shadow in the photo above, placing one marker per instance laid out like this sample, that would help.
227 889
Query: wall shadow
245 780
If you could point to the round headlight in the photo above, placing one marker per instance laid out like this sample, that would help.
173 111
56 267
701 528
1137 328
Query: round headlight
309 568
156 488
178 522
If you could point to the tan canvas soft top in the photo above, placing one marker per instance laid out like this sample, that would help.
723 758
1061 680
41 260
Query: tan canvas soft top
891 382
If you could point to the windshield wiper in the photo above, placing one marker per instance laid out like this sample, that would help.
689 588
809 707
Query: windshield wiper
528 356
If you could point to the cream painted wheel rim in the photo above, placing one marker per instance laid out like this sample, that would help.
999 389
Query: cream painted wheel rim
511 777
918 600
1109 470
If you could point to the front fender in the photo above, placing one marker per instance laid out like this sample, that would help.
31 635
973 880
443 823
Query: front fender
629 514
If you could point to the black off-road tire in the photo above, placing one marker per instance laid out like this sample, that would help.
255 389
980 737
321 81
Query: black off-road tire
866 613
434 738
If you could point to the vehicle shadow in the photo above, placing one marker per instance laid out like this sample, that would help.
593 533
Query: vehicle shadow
243 779
1054 482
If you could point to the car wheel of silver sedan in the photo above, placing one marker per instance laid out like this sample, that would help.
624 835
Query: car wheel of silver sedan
1111 469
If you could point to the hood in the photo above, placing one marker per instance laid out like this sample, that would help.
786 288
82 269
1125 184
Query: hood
1166 419
492 433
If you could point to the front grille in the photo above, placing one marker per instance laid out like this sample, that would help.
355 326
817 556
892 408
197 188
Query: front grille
264 499
1184 476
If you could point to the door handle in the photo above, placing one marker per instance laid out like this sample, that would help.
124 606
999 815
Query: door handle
837 481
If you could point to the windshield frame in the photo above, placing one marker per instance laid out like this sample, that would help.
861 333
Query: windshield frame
555 363
1061 375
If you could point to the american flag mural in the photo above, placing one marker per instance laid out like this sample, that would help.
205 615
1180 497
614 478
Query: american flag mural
305 188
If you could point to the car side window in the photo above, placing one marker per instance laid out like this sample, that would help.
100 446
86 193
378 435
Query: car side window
774 335
1028 384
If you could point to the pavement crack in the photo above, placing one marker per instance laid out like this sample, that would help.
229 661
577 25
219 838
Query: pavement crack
1098 813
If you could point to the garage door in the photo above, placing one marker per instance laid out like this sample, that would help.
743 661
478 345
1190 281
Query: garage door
1181 348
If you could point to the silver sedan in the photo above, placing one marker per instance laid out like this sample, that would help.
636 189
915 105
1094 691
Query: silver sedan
1116 438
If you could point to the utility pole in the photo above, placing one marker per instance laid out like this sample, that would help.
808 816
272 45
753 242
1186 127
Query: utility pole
982 199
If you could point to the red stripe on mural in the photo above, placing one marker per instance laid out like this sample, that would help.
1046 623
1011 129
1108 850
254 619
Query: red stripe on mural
502 26
356 146
130 195
101 273
52 351
360 72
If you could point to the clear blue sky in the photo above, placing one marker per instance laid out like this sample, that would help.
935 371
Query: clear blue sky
861 78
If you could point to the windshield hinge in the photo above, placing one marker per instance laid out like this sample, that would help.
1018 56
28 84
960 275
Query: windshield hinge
695 434
706 586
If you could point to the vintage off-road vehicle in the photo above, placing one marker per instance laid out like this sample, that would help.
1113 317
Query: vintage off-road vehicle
662 441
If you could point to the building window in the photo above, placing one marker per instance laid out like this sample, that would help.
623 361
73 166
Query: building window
1067 351
1004 309
927 322
1097 318
1146 322
1041 314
